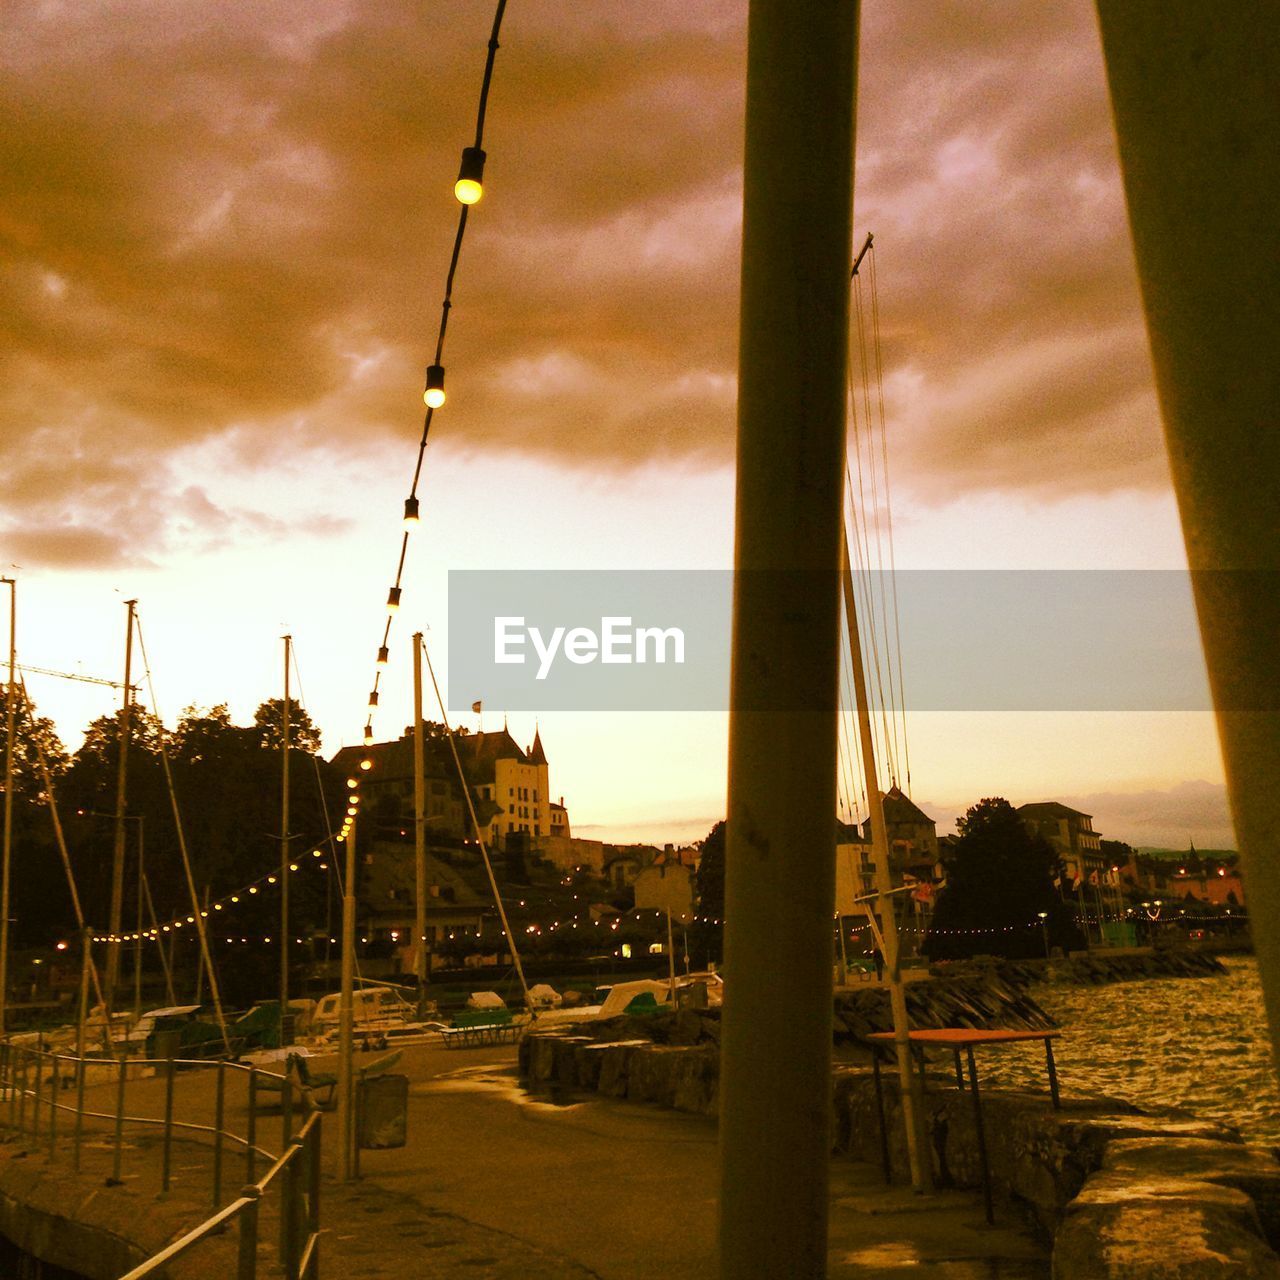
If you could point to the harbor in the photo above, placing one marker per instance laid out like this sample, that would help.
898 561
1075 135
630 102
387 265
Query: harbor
640 642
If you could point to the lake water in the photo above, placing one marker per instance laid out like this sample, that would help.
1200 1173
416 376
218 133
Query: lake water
1198 1043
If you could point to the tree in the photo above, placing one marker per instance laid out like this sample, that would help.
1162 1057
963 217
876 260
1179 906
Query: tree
268 720
1000 877
708 936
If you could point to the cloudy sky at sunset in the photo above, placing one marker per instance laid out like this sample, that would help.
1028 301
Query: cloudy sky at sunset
225 230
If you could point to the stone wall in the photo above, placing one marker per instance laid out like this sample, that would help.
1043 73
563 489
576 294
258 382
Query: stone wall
1124 1192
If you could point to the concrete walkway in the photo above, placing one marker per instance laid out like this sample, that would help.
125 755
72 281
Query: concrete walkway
495 1184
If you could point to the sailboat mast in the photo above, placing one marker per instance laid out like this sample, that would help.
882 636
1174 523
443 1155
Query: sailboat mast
11 713
284 845
921 1170
419 831
122 786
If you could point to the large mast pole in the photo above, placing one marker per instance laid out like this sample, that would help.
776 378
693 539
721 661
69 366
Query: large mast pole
122 781
284 848
11 714
419 830
912 1103
775 1089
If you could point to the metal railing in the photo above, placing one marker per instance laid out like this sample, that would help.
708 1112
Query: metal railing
299 1173
34 1080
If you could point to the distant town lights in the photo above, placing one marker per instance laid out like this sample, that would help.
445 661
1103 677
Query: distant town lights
470 184
434 394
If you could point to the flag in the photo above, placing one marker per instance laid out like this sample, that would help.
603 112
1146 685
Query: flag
923 893
476 706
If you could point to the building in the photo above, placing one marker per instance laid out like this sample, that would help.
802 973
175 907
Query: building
1071 836
915 867
510 786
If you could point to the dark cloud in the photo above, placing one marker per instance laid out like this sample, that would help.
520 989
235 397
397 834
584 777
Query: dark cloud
220 220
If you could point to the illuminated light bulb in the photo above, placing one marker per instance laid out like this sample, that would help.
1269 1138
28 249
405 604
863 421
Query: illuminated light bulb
253 888
383 655
235 897
366 763
191 919
393 599
315 853
433 396
271 879
373 697
217 906
368 739
351 812
293 866
411 516
470 184
353 783
354 799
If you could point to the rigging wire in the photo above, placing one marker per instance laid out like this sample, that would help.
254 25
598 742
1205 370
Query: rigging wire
197 912
878 579
888 503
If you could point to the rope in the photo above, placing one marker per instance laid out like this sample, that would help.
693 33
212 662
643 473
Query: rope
196 910
484 852
59 837
888 506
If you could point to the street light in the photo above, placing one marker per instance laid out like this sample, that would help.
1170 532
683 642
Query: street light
1044 930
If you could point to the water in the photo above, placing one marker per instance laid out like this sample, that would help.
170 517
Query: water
1197 1043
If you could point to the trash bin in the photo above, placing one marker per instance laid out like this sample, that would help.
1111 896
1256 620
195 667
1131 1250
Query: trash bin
166 1043
382 1111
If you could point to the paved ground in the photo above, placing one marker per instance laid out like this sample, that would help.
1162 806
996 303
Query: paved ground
495 1184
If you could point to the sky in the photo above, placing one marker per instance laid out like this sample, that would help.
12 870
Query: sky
225 231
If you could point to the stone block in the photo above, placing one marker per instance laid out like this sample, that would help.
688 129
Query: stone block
1179 1229
1249 1169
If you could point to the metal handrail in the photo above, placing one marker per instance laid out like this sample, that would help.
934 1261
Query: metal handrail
297 1169
300 1258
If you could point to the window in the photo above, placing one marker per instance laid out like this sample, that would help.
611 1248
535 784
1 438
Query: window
535 793
511 808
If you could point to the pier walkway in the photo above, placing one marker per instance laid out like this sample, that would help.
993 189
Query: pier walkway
494 1183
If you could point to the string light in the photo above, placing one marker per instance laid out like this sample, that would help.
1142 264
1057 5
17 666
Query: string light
434 393
470 184
393 605
411 516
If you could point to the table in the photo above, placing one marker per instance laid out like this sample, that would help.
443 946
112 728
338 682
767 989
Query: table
965 1039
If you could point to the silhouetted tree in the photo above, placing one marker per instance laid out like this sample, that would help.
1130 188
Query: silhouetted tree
999 877
708 936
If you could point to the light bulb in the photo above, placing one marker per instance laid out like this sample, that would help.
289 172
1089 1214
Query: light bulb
393 599
411 516
433 396
470 184
383 655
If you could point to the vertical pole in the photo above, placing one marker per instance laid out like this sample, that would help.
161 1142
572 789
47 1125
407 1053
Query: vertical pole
419 830
284 850
164 955
247 1252
219 1122
137 950
79 1130
166 1164
117 859
199 966
251 1129
86 982
671 962
54 1085
909 1083
780 854
313 1198
38 1060
346 1038
10 717
1193 95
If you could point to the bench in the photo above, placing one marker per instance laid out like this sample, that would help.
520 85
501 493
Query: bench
474 1027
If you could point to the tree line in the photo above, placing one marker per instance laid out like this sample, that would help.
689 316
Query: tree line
226 778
